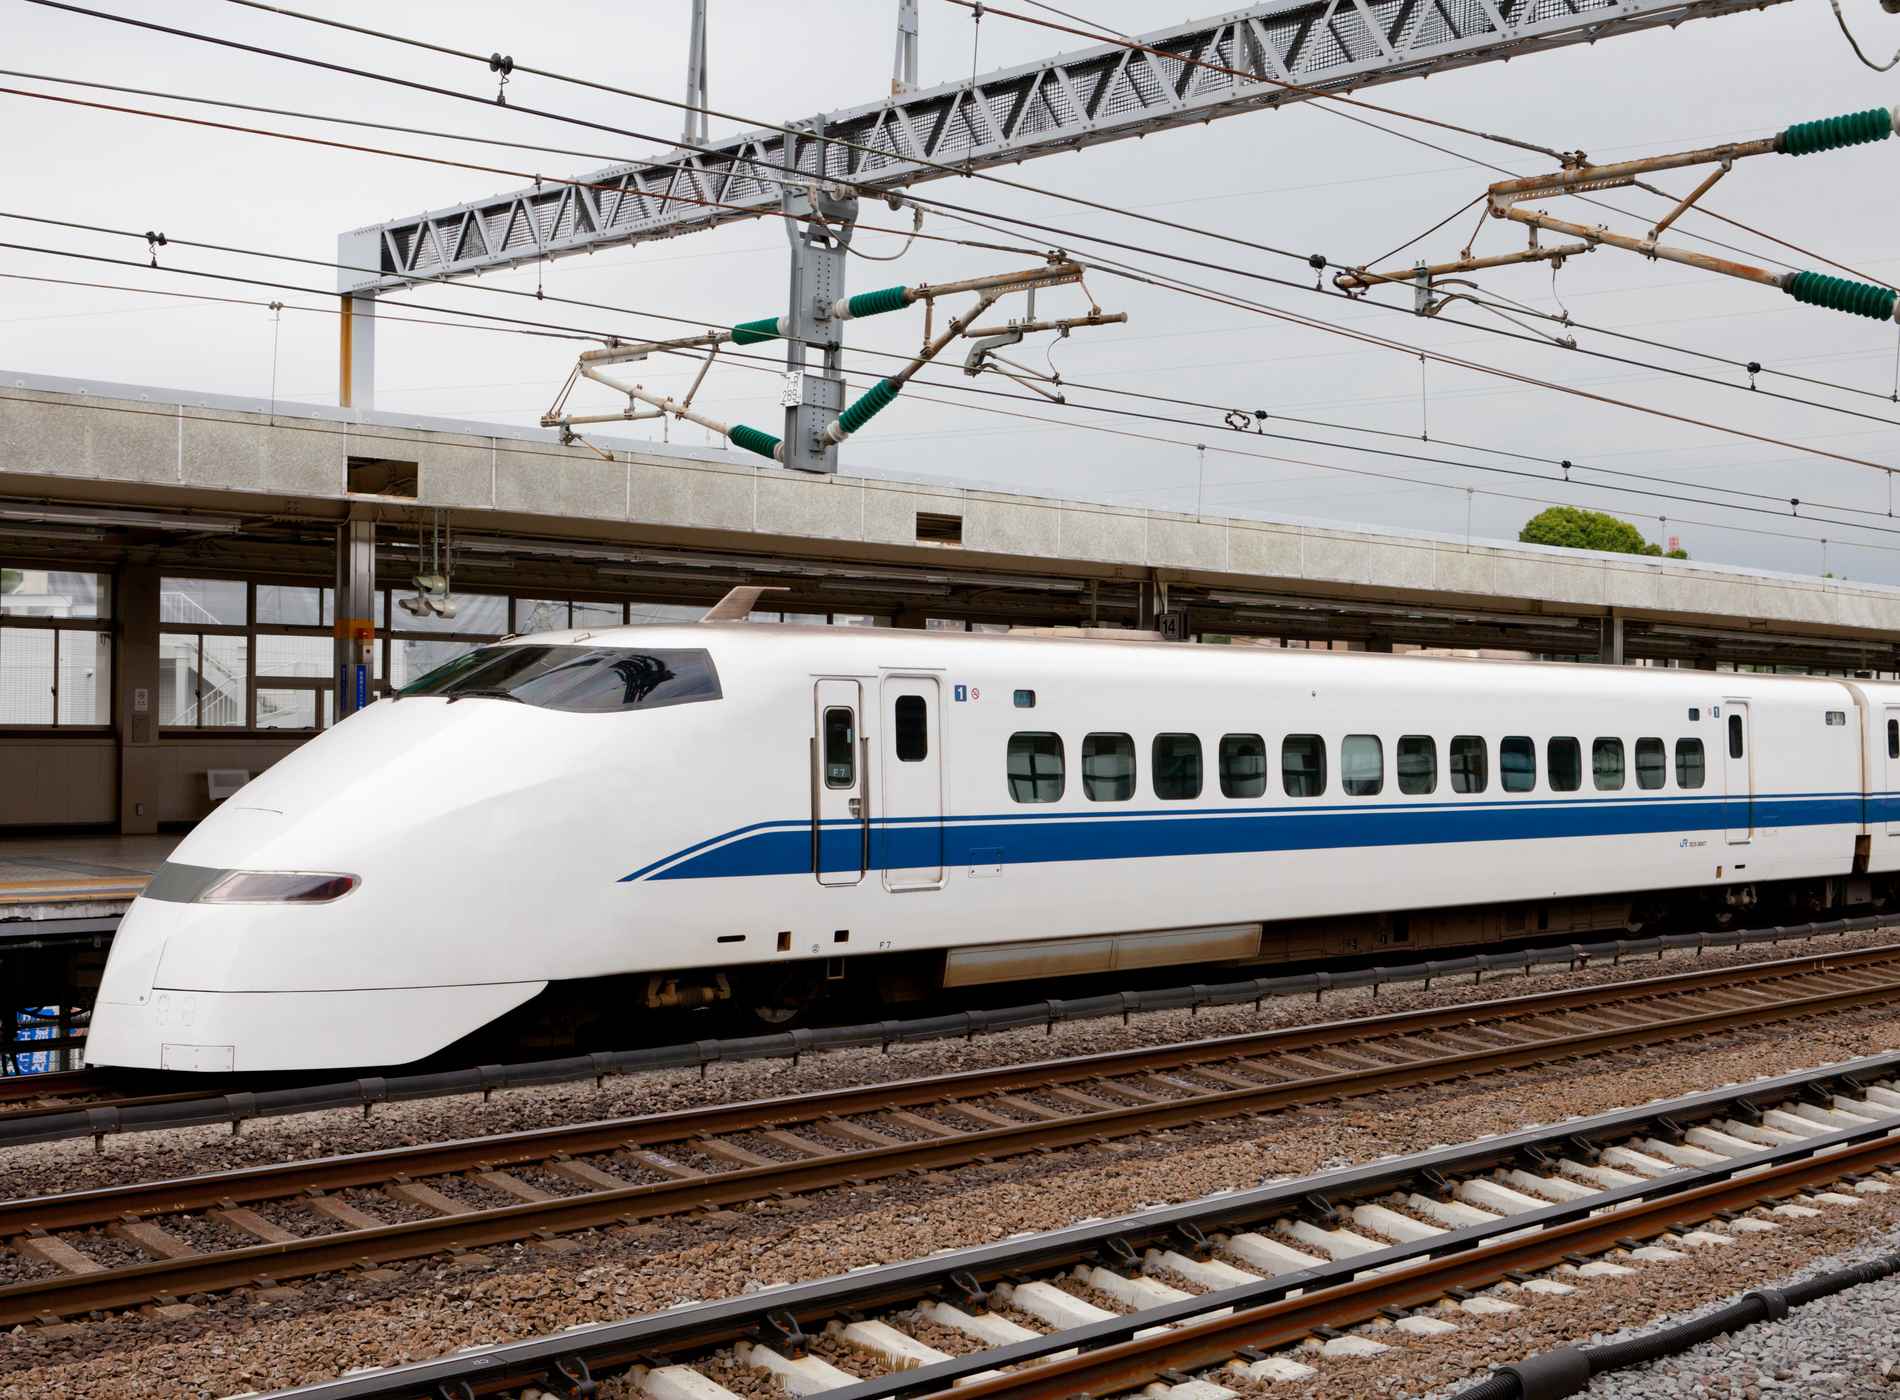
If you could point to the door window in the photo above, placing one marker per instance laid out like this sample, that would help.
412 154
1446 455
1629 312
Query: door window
841 747
913 729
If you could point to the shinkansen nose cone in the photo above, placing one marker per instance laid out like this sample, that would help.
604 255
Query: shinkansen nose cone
388 887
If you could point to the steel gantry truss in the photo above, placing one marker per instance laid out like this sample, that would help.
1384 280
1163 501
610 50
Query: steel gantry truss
814 171
1107 93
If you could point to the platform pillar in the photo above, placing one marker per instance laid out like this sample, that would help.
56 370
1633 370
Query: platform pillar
356 615
135 680
1610 640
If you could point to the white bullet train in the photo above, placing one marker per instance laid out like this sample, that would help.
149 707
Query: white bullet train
664 816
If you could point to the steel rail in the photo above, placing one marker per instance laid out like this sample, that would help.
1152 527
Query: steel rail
473 1228
104 1118
1193 1345
106 1204
14 1087
1674 1200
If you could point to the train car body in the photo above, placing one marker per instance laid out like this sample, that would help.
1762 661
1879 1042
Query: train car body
724 810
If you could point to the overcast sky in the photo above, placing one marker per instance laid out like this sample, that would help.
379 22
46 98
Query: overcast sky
1303 179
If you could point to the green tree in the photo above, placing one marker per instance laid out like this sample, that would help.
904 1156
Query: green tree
1567 527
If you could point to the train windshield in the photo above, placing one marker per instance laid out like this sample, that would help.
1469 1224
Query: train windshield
582 679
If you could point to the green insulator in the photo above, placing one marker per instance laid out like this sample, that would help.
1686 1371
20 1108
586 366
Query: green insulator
1839 294
752 440
872 402
752 332
876 303
1831 133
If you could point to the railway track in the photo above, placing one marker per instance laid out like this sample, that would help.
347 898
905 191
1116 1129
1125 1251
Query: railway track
125 1245
30 1098
101 1103
1242 1285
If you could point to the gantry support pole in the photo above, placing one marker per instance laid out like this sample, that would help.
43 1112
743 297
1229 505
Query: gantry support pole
819 230
356 352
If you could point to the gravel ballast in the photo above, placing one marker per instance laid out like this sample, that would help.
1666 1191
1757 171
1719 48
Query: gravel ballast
428 1307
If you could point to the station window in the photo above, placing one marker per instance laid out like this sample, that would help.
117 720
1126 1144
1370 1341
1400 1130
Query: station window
1470 764
1243 765
1689 763
1108 767
1651 763
1563 761
55 647
1303 765
1517 763
1035 767
1734 735
1606 765
1418 764
1177 767
1362 765
912 728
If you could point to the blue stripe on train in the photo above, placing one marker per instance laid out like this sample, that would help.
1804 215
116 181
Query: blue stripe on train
785 848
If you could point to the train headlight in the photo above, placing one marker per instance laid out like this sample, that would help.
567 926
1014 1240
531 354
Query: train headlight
278 887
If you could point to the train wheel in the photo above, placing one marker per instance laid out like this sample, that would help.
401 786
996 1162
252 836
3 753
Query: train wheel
782 998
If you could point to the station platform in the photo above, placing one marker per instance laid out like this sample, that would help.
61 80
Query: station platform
56 886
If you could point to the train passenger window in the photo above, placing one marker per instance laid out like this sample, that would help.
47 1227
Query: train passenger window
1108 767
1606 765
1563 762
1303 765
1689 766
1517 763
1418 764
841 748
1035 767
1470 764
1362 765
1893 738
1651 763
1734 736
1243 765
913 729
1177 766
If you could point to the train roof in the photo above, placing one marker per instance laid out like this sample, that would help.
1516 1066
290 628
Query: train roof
873 648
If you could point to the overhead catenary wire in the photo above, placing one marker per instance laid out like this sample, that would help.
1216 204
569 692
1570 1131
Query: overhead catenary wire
597 334
1156 280
1202 428
1798 449
743 211
775 173
601 334
940 167
1418 483
1194 61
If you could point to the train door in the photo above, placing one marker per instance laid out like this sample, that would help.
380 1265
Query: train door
912 766
1738 772
840 812
1890 741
